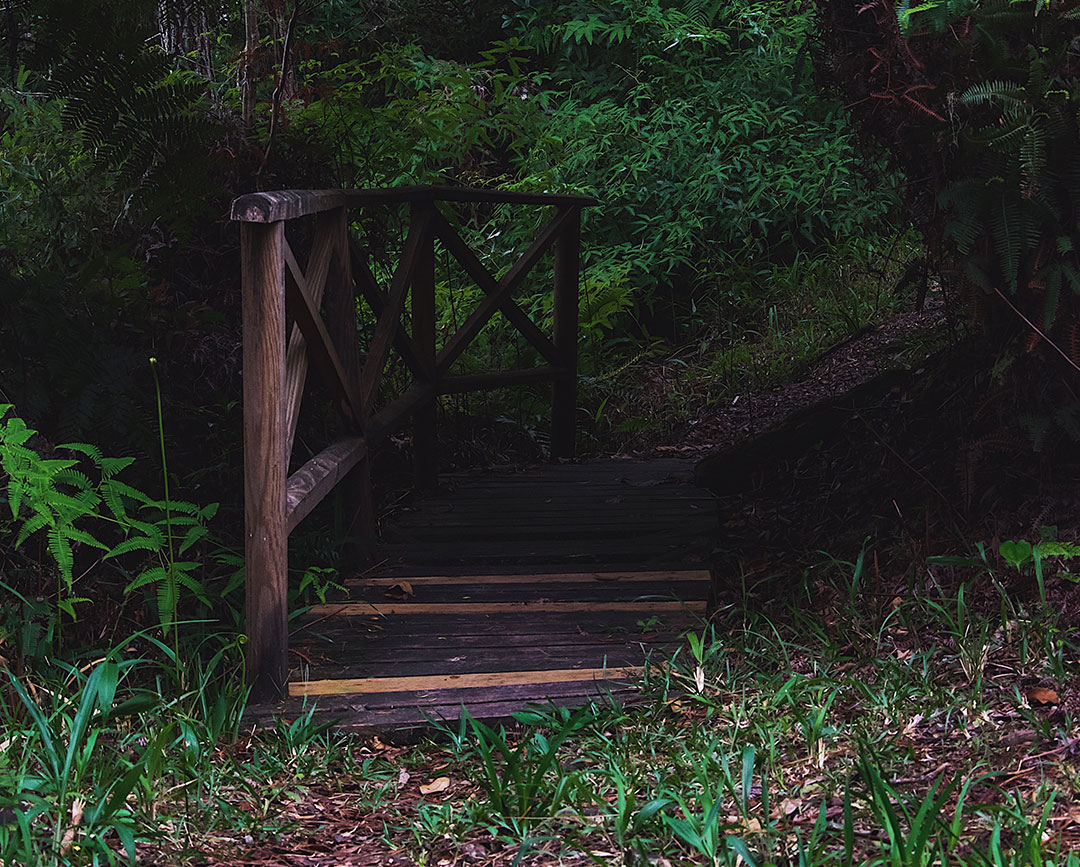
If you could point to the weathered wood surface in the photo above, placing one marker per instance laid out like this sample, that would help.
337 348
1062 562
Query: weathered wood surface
265 458
453 605
290 204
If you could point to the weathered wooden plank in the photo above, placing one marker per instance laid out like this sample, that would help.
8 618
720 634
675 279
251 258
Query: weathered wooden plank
368 289
320 347
425 415
565 334
476 320
500 379
382 609
490 286
543 578
387 326
296 357
289 204
316 478
369 685
466 663
265 460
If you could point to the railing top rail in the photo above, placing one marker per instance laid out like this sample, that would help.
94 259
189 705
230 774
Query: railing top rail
289 204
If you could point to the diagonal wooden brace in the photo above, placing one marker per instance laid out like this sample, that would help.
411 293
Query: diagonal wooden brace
499 294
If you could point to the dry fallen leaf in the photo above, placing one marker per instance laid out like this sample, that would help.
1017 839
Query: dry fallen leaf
790 805
1042 695
401 590
440 784
402 777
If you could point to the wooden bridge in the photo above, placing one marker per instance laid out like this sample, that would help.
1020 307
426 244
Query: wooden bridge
547 584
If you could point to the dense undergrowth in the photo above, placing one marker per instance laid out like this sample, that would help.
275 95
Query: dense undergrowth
926 719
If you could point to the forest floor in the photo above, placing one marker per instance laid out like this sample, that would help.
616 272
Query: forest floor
877 684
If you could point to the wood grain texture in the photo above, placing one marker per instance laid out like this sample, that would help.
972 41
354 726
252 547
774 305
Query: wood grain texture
265 459
306 487
389 320
366 685
384 609
296 356
320 347
425 416
544 578
289 204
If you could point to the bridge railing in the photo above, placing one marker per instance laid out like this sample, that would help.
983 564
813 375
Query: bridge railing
320 297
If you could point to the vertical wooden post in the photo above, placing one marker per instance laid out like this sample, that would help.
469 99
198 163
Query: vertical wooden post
265 547
340 303
425 420
565 330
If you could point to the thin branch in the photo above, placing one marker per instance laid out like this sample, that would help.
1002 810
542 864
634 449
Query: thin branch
1037 330
279 91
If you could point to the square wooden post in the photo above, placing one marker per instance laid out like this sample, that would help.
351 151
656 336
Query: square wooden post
265 461
425 420
565 331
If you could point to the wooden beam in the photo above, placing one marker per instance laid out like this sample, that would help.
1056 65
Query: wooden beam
388 323
265 554
289 204
543 578
425 416
317 340
420 683
494 300
358 526
367 288
500 379
490 286
306 487
296 357
380 609
565 334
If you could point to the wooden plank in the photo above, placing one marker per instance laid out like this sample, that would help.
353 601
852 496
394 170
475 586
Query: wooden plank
383 609
368 288
296 357
388 323
271 207
305 313
265 460
565 335
315 479
542 578
517 317
500 379
425 416
368 685
476 320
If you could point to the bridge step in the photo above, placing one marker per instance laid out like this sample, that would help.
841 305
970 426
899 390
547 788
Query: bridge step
485 610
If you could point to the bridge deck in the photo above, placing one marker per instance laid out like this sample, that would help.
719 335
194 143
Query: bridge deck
509 589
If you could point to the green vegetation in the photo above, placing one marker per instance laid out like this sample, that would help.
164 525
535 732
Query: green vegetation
930 727
773 178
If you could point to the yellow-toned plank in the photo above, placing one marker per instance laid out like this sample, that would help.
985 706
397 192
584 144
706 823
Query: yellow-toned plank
543 578
420 683
380 609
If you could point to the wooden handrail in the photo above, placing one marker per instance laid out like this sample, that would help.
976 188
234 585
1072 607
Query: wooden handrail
290 204
320 296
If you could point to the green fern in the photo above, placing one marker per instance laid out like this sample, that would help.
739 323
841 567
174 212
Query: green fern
56 499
